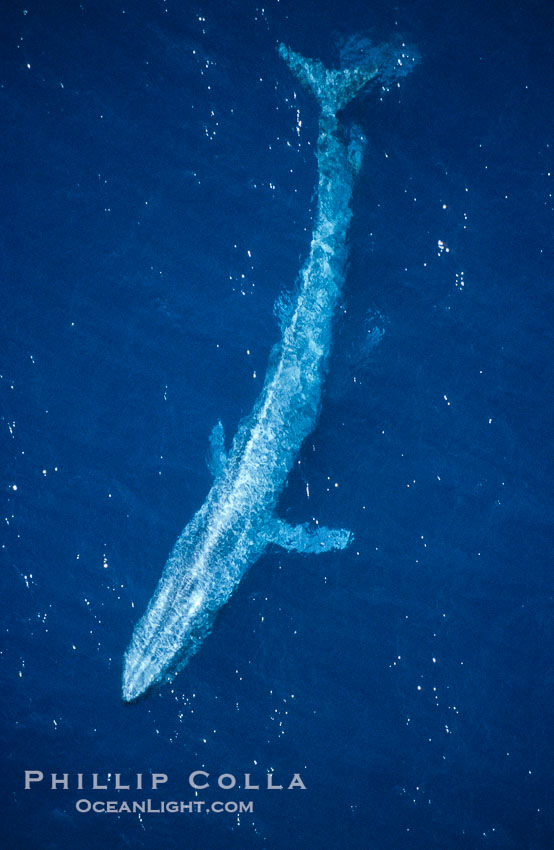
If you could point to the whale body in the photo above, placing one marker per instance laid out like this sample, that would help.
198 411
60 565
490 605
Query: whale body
238 521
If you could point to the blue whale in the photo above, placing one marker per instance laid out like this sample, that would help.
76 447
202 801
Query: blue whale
238 519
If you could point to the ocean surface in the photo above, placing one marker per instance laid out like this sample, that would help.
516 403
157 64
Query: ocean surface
158 179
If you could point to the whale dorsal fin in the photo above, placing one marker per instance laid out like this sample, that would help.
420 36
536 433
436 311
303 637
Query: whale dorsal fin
310 539
216 453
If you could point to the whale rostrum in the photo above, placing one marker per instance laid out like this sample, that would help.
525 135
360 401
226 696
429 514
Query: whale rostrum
238 520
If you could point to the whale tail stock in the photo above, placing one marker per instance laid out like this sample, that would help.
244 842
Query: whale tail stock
333 89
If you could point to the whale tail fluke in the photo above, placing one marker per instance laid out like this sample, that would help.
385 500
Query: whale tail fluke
332 89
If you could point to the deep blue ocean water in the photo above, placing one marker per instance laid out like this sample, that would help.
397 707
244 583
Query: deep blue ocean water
158 178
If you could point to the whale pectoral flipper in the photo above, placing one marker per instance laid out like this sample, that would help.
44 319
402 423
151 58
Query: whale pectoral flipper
216 453
308 539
